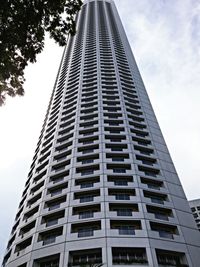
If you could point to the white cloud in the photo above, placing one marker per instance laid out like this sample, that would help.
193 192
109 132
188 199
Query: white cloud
165 39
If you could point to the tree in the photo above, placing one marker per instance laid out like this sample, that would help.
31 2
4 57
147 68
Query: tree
23 24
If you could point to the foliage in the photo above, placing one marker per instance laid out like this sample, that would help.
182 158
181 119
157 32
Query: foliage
23 24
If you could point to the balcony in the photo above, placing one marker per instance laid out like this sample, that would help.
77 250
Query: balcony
49 237
129 256
85 257
89 229
171 258
165 230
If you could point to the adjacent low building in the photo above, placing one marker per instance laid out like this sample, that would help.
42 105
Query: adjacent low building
195 208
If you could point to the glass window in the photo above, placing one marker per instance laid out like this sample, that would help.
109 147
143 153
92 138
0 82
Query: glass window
86 199
124 212
49 239
122 197
121 182
86 214
126 230
85 232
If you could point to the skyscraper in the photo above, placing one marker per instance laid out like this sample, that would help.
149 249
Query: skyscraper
102 187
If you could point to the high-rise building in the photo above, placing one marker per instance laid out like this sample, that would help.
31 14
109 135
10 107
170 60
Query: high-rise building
195 208
102 187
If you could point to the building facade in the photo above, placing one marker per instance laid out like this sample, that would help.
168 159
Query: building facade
195 208
102 188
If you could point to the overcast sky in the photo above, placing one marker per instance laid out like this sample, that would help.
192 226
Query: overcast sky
165 38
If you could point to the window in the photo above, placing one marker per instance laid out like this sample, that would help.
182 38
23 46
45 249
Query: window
85 232
87 172
161 216
54 263
122 197
121 182
157 200
85 257
87 184
117 159
86 199
164 230
50 261
124 212
86 214
165 234
153 186
56 192
87 161
119 170
89 151
129 256
54 206
49 239
171 258
126 230
51 222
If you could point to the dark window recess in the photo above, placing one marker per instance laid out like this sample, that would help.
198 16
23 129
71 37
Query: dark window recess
164 230
62 156
120 180
22 265
152 184
65 146
52 219
129 256
123 209
40 176
171 258
160 213
49 237
144 150
86 183
149 171
86 211
23 245
42 166
85 257
119 168
146 160
121 194
56 190
50 261
156 197
87 196
24 230
87 170
34 200
59 177
61 166
36 188
11 242
126 227
116 147
55 204
30 213
6 257
15 226
86 229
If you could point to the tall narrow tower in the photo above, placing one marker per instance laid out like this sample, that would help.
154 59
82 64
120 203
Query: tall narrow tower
102 187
